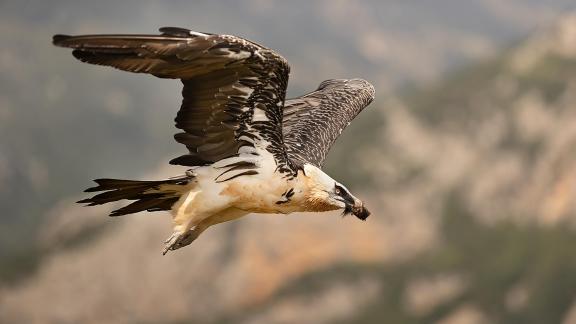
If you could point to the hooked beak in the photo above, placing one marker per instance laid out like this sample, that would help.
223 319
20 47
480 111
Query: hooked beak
357 209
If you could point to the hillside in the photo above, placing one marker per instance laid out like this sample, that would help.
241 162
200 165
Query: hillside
63 123
490 154
473 222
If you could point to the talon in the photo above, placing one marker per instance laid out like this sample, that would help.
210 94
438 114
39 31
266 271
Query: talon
178 240
171 242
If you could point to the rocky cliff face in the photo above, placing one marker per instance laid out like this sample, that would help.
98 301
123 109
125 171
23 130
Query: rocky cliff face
476 184
501 133
121 272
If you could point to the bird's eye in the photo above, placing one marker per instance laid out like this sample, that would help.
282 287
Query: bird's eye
338 191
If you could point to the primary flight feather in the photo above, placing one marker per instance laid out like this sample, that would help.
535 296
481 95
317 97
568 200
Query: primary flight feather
249 149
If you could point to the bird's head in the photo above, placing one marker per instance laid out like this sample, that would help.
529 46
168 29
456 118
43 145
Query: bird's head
324 194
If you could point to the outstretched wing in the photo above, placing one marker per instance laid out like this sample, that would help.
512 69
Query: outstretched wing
312 122
233 90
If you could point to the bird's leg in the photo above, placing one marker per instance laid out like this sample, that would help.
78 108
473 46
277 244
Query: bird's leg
182 222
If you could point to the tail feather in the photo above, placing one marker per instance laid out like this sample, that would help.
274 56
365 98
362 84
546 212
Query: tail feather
148 195
146 204
111 184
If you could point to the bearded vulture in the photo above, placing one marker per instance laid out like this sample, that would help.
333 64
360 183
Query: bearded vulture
250 150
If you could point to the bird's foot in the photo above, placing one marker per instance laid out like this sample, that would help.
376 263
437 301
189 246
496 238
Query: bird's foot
172 242
178 240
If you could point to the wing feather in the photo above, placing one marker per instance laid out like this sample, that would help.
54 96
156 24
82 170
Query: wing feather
225 78
312 122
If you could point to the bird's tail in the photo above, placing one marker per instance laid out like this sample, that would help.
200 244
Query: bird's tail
147 195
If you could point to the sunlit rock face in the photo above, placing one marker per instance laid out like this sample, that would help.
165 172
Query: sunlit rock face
121 276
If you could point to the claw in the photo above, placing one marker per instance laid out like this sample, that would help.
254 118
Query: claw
172 242
178 240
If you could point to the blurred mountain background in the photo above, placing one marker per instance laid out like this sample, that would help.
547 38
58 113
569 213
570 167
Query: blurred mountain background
467 159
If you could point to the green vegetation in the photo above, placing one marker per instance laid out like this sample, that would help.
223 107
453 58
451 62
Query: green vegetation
493 259
469 94
451 100
549 76
512 273
17 266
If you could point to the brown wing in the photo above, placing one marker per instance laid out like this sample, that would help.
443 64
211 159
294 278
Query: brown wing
314 121
233 88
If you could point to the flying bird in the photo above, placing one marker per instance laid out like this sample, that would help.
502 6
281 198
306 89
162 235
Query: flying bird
250 150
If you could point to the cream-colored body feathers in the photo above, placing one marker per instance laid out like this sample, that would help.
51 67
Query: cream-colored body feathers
206 202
